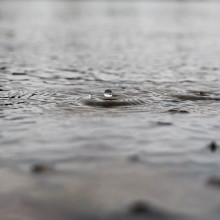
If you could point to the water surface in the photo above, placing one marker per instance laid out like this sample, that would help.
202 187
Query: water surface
161 62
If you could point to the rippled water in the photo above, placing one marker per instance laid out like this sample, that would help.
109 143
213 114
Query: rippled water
159 59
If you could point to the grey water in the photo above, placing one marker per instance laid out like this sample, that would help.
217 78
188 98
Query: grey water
88 82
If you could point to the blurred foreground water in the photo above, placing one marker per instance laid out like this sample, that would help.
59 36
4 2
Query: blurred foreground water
145 140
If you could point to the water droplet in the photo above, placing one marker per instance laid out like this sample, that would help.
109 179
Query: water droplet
108 93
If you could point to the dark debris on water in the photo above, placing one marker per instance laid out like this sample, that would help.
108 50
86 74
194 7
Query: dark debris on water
41 168
145 210
3 68
140 207
213 147
134 158
18 73
214 182
161 123
178 111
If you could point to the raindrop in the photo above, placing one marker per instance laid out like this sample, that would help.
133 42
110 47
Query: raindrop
108 93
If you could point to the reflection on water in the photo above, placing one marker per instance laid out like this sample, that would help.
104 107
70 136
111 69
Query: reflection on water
109 80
